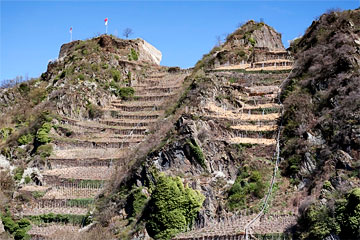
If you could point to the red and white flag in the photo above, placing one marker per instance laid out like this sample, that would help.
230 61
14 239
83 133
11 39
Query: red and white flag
70 29
106 21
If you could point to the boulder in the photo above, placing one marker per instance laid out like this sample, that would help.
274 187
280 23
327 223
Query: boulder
1 227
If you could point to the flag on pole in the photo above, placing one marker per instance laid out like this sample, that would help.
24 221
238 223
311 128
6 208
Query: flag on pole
106 21
70 34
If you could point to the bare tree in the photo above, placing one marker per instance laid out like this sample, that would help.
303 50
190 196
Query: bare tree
127 32
218 41
239 25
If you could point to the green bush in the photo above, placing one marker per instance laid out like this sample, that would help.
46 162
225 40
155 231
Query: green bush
17 229
24 88
58 218
104 66
27 179
5 133
25 139
23 223
42 135
137 200
116 75
133 55
44 151
21 234
18 172
252 41
319 221
94 111
95 67
79 202
172 207
246 186
81 76
232 80
197 153
37 194
125 93
9 224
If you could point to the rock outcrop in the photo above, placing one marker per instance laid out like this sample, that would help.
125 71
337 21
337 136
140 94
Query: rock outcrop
145 51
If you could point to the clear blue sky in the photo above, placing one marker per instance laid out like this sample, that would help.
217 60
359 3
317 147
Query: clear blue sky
33 31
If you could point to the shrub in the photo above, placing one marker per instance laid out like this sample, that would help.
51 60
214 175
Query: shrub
319 221
172 207
115 75
42 135
252 41
196 153
246 185
58 218
104 66
44 151
79 202
37 194
23 223
81 76
25 139
21 234
95 67
125 93
137 200
5 133
18 172
9 224
133 55
94 111
24 88
27 179
232 80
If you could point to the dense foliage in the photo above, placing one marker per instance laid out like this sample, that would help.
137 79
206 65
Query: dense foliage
172 207
16 228
248 184
343 219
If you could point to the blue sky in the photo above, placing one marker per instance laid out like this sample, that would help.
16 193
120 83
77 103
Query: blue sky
33 31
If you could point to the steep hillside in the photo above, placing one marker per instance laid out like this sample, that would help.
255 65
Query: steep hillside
321 135
87 113
222 144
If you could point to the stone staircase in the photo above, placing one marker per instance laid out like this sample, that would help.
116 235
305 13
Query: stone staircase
82 163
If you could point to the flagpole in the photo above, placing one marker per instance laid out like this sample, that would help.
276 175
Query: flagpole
106 29
70 34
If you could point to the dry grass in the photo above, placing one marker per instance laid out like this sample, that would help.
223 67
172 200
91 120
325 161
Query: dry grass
264 141
255 128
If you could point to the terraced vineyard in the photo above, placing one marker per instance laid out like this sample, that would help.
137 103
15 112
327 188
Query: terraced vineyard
255 124
82 163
